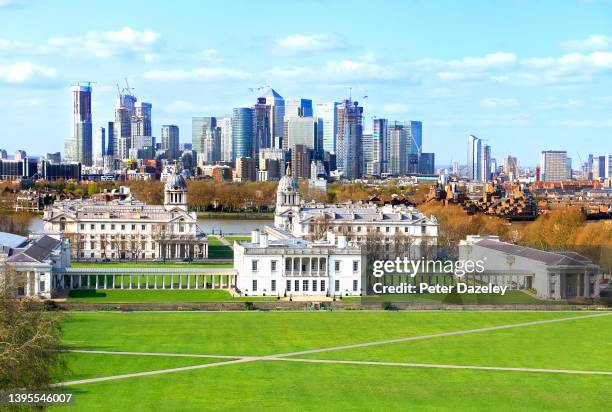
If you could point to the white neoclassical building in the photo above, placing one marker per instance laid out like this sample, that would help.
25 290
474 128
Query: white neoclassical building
356 221
129 229
283 265
35 260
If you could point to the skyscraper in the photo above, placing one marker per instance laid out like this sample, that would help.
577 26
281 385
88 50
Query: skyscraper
277 116
242 132
79 146
262 131
349 138
141 120
485 167
414 130
206 139
554 166
327 112
225 123
427 162
380 148
300 161
302 130
599 167
170 141
99 143
398 148
474 158
110 139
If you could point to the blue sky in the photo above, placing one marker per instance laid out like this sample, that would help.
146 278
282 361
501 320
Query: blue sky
525 75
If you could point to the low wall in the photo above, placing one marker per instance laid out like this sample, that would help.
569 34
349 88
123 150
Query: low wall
285 305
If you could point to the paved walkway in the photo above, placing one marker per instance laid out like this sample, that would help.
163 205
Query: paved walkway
284 356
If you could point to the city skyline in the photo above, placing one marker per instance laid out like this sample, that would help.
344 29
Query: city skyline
522 92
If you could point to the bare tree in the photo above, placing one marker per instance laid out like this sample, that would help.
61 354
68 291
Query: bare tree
29 337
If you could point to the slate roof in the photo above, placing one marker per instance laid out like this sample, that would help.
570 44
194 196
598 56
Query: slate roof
35 251
549 258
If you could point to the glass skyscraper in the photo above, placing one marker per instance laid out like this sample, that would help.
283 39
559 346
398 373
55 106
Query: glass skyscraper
79 146
242 132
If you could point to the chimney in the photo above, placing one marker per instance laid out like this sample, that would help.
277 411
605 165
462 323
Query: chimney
263 240
255 236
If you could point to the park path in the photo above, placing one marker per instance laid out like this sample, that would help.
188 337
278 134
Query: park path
285 356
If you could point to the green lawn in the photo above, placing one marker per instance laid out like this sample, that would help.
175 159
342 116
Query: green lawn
218 250
231 239
166 295
511 297
288 386
145 265
93 365
276 386
265 333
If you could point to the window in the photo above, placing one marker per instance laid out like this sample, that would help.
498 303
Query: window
322 286
122 227
133 227
273 264
112 227
337 265
406 229
254 264
387 229
288 286
142 227
355 285
423 230
41 286
254 285
314 285
355 266
305 285
103 226
82 226
92 227
273 285
337 285
296 286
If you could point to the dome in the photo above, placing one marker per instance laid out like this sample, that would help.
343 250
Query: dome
287 182
176 182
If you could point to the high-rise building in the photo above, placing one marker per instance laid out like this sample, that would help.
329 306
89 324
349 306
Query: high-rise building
414 131
599 167
327 112
398 148
262 132
300 161
295 108
141 120
3 154
99 143
225 123
511 167
302 130
245 169
349 138
242 132
367 157
272 162
277 117
206 139
110 139
427 163
554 166
485 159
608 165
170 141
474 158
380 148
79 146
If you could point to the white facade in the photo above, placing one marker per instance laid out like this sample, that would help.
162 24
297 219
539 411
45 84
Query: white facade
288 266
129 229
354 220
35 260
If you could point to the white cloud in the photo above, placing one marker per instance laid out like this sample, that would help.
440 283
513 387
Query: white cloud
595 42
209 55
126 42
396 108
357 69
302 43
202 73
490 61
25 72
493 102
572 63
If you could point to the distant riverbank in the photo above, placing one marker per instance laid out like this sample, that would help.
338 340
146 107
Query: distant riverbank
236 215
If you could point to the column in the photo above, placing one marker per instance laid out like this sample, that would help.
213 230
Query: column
171 281
155 282
180 281
189 281
97 277
147 281
163 281
122 278
196 281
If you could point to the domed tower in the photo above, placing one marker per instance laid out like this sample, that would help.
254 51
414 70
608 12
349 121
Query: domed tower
175 192
287 201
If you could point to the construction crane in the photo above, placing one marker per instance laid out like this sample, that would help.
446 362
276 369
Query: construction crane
89 82
258 88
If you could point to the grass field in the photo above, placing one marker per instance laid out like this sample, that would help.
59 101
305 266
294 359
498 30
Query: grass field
511 297
218 250
166 295
293 382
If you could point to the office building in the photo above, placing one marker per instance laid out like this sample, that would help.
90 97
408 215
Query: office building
427 164
302 131
206 139
511 167
170 141
65 171
349 138
225 124
99 143
554 166
327 113
398 148
380 148
18 169
485 159
474 158
276 104
55 157
294 109
79 145
300 161
242 132
245 170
